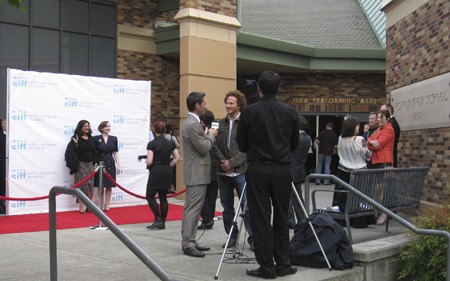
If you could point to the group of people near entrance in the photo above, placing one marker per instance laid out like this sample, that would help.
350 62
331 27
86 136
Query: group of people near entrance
375 149
258 151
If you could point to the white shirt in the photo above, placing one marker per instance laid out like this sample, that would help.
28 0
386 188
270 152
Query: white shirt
353 152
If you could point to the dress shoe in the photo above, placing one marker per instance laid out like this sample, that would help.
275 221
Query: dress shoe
208 225
286 271
202 248
158 224
231 244
193 252
260 274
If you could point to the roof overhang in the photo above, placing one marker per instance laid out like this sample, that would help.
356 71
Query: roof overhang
257 53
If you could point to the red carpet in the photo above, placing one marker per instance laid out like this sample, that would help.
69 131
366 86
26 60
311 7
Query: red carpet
73 219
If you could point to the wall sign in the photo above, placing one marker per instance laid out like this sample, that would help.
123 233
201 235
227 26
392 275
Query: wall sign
423 105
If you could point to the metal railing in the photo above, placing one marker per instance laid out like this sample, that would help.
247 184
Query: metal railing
380 207
153 266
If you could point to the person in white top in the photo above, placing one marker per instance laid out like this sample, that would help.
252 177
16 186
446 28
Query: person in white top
353 153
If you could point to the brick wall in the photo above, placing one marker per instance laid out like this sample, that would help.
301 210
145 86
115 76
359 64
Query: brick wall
221 7
418 46
418 49
164 74
369 88
162 71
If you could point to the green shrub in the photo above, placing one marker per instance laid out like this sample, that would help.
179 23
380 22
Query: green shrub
425 256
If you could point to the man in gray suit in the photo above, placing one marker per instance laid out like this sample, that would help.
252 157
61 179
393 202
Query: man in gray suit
197 143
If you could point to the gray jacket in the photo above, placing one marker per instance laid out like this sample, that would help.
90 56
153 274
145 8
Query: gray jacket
236 158
196 148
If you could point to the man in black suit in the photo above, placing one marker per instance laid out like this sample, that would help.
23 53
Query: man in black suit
396 127
3 165
268 133
298 171
209 206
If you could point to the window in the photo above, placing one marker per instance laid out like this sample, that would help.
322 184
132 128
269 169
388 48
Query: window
67 36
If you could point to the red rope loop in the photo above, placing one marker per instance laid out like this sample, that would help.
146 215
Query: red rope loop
137 195
91 175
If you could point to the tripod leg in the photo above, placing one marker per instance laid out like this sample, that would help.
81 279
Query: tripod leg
310 224
233 225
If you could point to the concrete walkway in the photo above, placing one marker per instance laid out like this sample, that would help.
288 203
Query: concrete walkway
86 254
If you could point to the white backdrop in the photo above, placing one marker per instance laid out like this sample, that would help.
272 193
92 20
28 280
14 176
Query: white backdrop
43 111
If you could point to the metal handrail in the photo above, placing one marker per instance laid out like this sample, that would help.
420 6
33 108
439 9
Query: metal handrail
380 207
153 266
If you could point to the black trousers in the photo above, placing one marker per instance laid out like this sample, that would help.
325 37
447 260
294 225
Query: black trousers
209 207
294 206
269 185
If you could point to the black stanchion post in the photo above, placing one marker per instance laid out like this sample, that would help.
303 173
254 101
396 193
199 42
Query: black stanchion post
101 169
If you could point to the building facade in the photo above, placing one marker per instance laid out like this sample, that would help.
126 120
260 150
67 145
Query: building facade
217 46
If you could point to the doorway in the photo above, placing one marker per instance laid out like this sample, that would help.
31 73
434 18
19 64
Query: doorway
316 123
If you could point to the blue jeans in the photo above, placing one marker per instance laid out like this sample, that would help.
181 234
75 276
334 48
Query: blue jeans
320 160
227 185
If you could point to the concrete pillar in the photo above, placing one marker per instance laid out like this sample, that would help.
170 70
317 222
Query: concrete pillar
207 60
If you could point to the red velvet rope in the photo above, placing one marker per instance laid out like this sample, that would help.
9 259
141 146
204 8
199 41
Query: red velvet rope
91 175
78 184
137 195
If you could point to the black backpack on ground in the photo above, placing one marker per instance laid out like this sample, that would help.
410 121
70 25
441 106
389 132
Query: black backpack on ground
305 251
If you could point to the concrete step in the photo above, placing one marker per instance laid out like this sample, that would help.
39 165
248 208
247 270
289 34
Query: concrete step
353 274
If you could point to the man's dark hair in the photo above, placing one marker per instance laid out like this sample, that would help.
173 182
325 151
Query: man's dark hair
329 124
348 128
193 99
207 118
269 82
390 108
302 124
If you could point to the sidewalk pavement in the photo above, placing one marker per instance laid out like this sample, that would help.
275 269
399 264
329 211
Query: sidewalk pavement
86 254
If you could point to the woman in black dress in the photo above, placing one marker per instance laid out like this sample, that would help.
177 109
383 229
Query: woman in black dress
160 165
80 158
108 152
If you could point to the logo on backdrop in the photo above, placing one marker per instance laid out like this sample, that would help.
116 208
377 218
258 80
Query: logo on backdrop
75 103
129 89
19 81
118 119
19 204
128 146
70 102
119 89
122 119
24 145
19 115
24 82
19 174
19 144
117 196
69 129
22 115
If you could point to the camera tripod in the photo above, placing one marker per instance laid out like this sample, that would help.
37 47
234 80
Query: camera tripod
234 224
